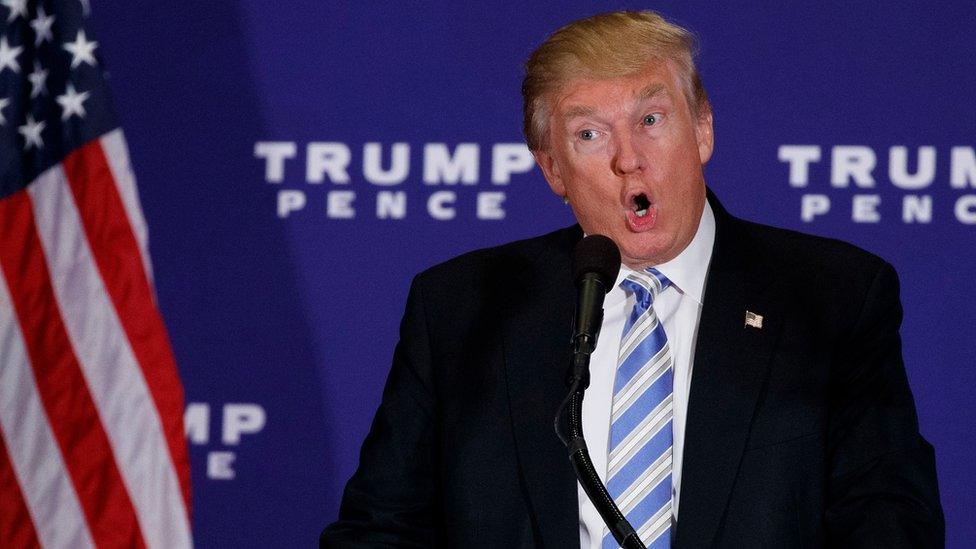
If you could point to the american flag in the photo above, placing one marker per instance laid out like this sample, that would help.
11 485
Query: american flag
92 449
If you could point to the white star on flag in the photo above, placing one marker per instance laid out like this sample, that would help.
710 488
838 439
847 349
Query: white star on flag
37 80
4 101
17 7
8 56
72 102
82 51
42 27
31 131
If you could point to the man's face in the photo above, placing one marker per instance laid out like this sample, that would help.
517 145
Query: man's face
628 153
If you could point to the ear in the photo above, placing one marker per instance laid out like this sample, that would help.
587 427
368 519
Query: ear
704 135
550 169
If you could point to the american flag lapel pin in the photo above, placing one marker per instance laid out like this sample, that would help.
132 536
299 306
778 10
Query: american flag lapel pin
754 320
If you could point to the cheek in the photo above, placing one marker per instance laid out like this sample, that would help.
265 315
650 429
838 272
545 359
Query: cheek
586 176
683 159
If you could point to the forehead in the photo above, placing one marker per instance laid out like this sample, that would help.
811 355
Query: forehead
590 95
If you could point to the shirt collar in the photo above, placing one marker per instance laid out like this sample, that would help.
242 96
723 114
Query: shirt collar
687 271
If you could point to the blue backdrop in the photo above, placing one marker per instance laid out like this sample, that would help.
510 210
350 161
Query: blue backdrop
257 129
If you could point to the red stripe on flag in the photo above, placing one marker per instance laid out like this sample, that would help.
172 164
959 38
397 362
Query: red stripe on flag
118 257
67 400
16 525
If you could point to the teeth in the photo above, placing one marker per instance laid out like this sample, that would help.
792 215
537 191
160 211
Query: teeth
641 213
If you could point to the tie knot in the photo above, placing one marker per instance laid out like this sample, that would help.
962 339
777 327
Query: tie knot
645 285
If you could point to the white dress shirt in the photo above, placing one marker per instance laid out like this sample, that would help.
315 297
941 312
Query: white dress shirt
679 309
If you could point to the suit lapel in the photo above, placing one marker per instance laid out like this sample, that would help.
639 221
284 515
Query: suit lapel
730 368
537 355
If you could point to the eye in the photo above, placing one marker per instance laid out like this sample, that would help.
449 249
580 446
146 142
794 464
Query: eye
587 135
651 119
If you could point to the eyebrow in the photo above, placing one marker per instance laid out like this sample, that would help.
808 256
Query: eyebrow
578 111
653 90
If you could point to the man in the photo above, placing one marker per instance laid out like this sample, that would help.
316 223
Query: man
747 389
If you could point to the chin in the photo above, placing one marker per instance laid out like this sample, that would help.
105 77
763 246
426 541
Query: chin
641 259
640 255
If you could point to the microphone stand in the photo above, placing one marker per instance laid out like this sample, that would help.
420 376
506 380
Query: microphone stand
579 456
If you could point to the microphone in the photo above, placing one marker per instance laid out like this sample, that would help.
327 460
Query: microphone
596 263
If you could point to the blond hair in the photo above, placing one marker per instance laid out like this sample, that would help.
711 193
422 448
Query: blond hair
605 46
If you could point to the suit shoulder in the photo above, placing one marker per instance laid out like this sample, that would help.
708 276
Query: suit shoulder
829 279
809 254
493 264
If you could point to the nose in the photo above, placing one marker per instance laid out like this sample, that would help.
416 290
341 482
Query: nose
628 157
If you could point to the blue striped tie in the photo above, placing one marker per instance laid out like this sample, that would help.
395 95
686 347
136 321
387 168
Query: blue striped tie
639 463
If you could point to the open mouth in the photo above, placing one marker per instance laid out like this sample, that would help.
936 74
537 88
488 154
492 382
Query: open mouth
642 212
641 205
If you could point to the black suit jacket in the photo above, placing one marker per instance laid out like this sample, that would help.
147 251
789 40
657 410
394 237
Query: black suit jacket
799 434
